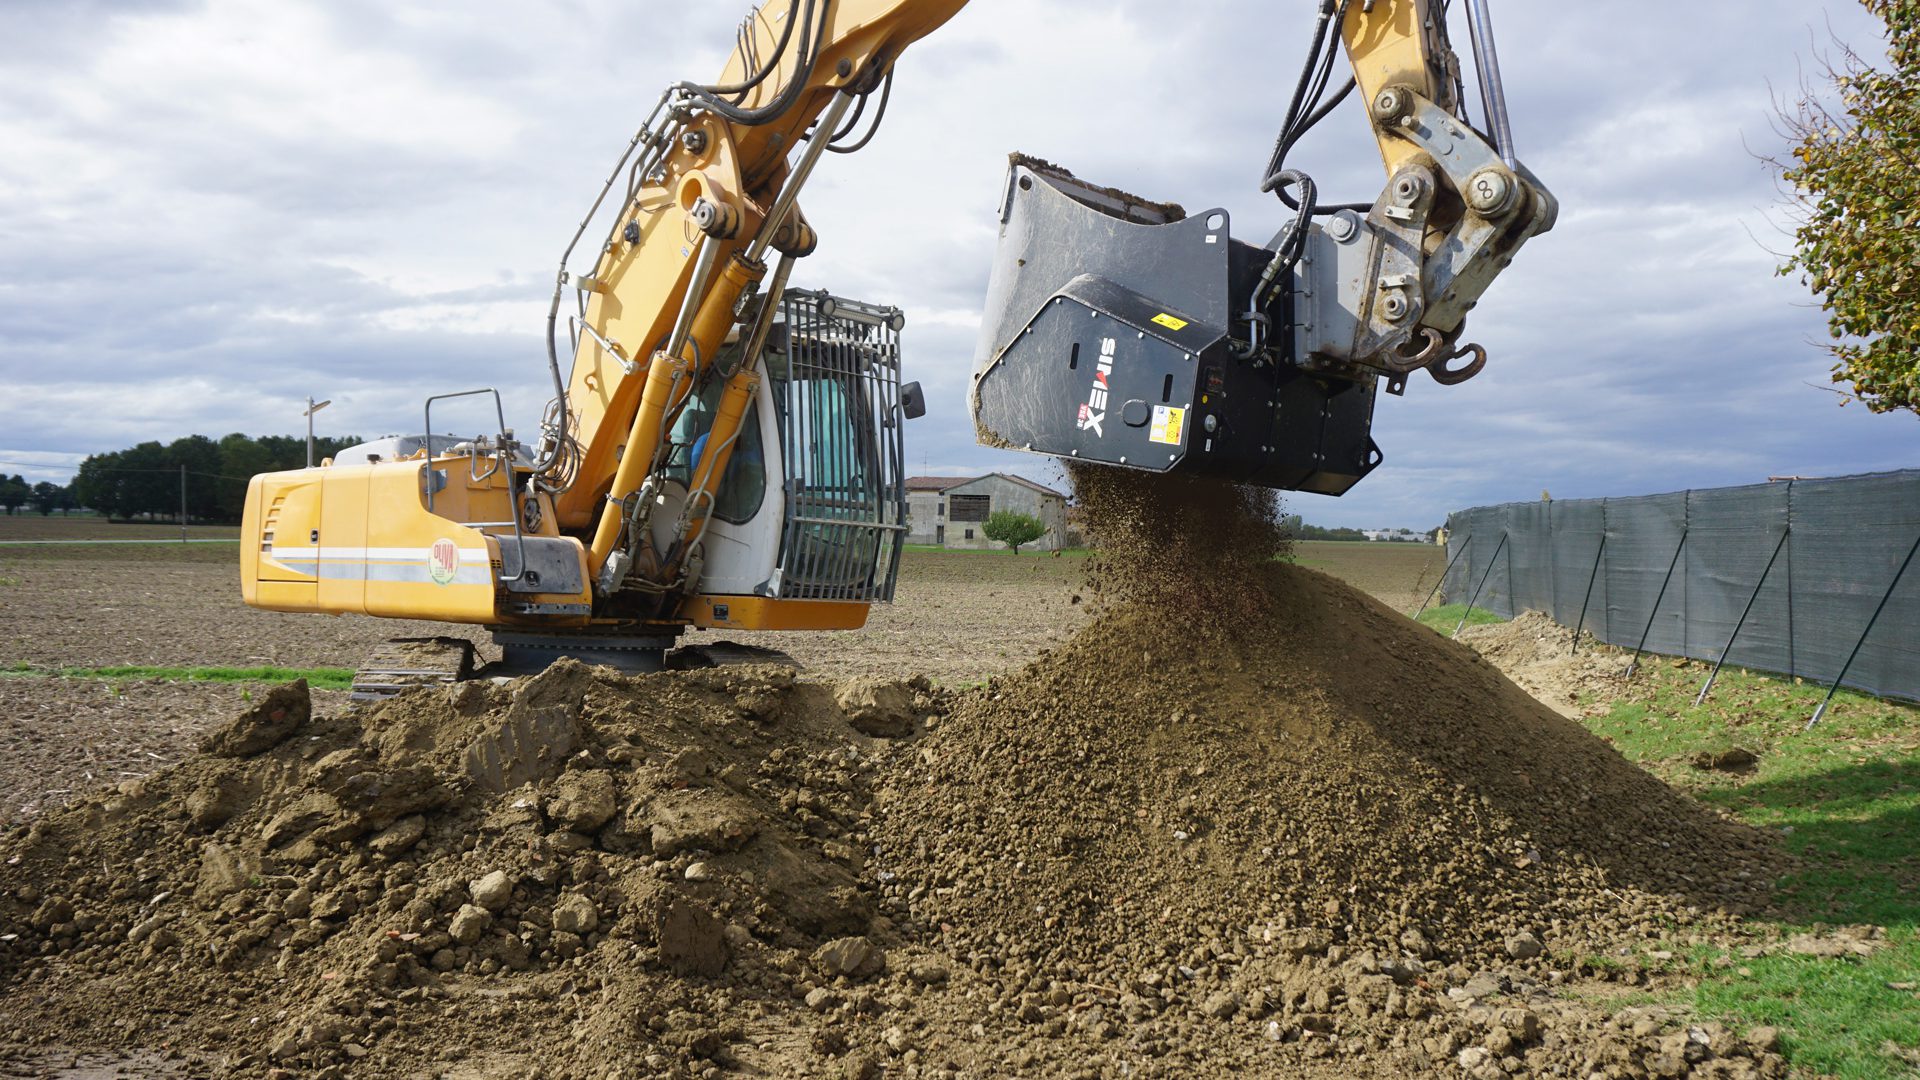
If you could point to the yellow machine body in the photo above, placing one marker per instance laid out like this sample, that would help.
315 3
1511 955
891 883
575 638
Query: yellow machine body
359 539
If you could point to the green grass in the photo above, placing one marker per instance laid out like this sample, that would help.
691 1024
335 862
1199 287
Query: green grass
1447 616
19 556
317 678
1845 799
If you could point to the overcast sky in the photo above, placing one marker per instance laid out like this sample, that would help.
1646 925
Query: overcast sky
209 210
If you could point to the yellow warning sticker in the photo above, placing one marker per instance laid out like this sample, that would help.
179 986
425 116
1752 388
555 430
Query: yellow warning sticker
1171 323
1169 425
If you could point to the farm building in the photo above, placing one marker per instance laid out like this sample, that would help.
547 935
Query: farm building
952 511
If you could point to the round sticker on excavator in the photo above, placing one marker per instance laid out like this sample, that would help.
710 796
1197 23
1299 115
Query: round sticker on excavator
443 562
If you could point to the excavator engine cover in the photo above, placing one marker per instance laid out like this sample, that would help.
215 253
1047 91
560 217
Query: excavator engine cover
1108 338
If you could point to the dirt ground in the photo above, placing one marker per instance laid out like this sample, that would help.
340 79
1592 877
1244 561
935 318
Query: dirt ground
25 527
64 737
957 618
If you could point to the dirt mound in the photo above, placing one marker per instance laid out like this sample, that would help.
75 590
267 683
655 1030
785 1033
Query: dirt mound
597 858
1538 654
1240 746
1335 775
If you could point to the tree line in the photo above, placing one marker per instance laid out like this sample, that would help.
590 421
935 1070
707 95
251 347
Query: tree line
145 479
44 496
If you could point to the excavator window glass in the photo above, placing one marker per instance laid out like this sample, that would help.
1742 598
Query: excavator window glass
744 485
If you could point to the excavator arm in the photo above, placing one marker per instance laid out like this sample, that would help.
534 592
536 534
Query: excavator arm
710 190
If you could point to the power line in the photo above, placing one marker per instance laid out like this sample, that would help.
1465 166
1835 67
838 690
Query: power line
123 469
31 465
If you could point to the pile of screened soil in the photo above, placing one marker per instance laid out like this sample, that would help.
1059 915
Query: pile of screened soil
1248 822
1538 654
1237 746
1334 775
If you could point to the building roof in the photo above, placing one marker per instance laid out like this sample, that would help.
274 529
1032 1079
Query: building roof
1041 488
947 483
937 483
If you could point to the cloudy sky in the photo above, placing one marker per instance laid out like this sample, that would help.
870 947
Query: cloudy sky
211 209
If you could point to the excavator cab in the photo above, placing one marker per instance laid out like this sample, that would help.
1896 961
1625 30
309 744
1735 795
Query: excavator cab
824 447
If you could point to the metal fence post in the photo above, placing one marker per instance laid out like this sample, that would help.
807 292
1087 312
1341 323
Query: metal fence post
1606 613
1464 545
1748 610
1844 668
1483 583
1553 566
1512 600
1793 657
1634 664
1588 599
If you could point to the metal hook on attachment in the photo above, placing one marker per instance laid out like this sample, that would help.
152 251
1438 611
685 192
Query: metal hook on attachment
1400 363
1446 376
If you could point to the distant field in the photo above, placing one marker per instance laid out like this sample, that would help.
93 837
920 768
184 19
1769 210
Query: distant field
27 526
959 616
1400 575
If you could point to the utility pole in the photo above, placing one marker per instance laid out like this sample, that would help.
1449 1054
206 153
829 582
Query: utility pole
183 502
313 407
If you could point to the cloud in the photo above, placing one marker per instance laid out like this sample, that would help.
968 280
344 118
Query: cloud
213 209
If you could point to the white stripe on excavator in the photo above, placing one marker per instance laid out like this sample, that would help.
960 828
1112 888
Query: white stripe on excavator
381 564
354 554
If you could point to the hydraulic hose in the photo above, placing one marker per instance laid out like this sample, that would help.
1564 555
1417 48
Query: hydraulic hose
1306 110
740 89
880 114
811 37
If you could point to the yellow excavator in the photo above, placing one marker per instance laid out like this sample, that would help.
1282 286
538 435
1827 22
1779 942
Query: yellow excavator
727 452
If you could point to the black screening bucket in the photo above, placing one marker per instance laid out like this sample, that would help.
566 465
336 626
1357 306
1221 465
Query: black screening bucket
1108 338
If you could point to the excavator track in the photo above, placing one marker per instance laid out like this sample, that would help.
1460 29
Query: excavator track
404 663
725 654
